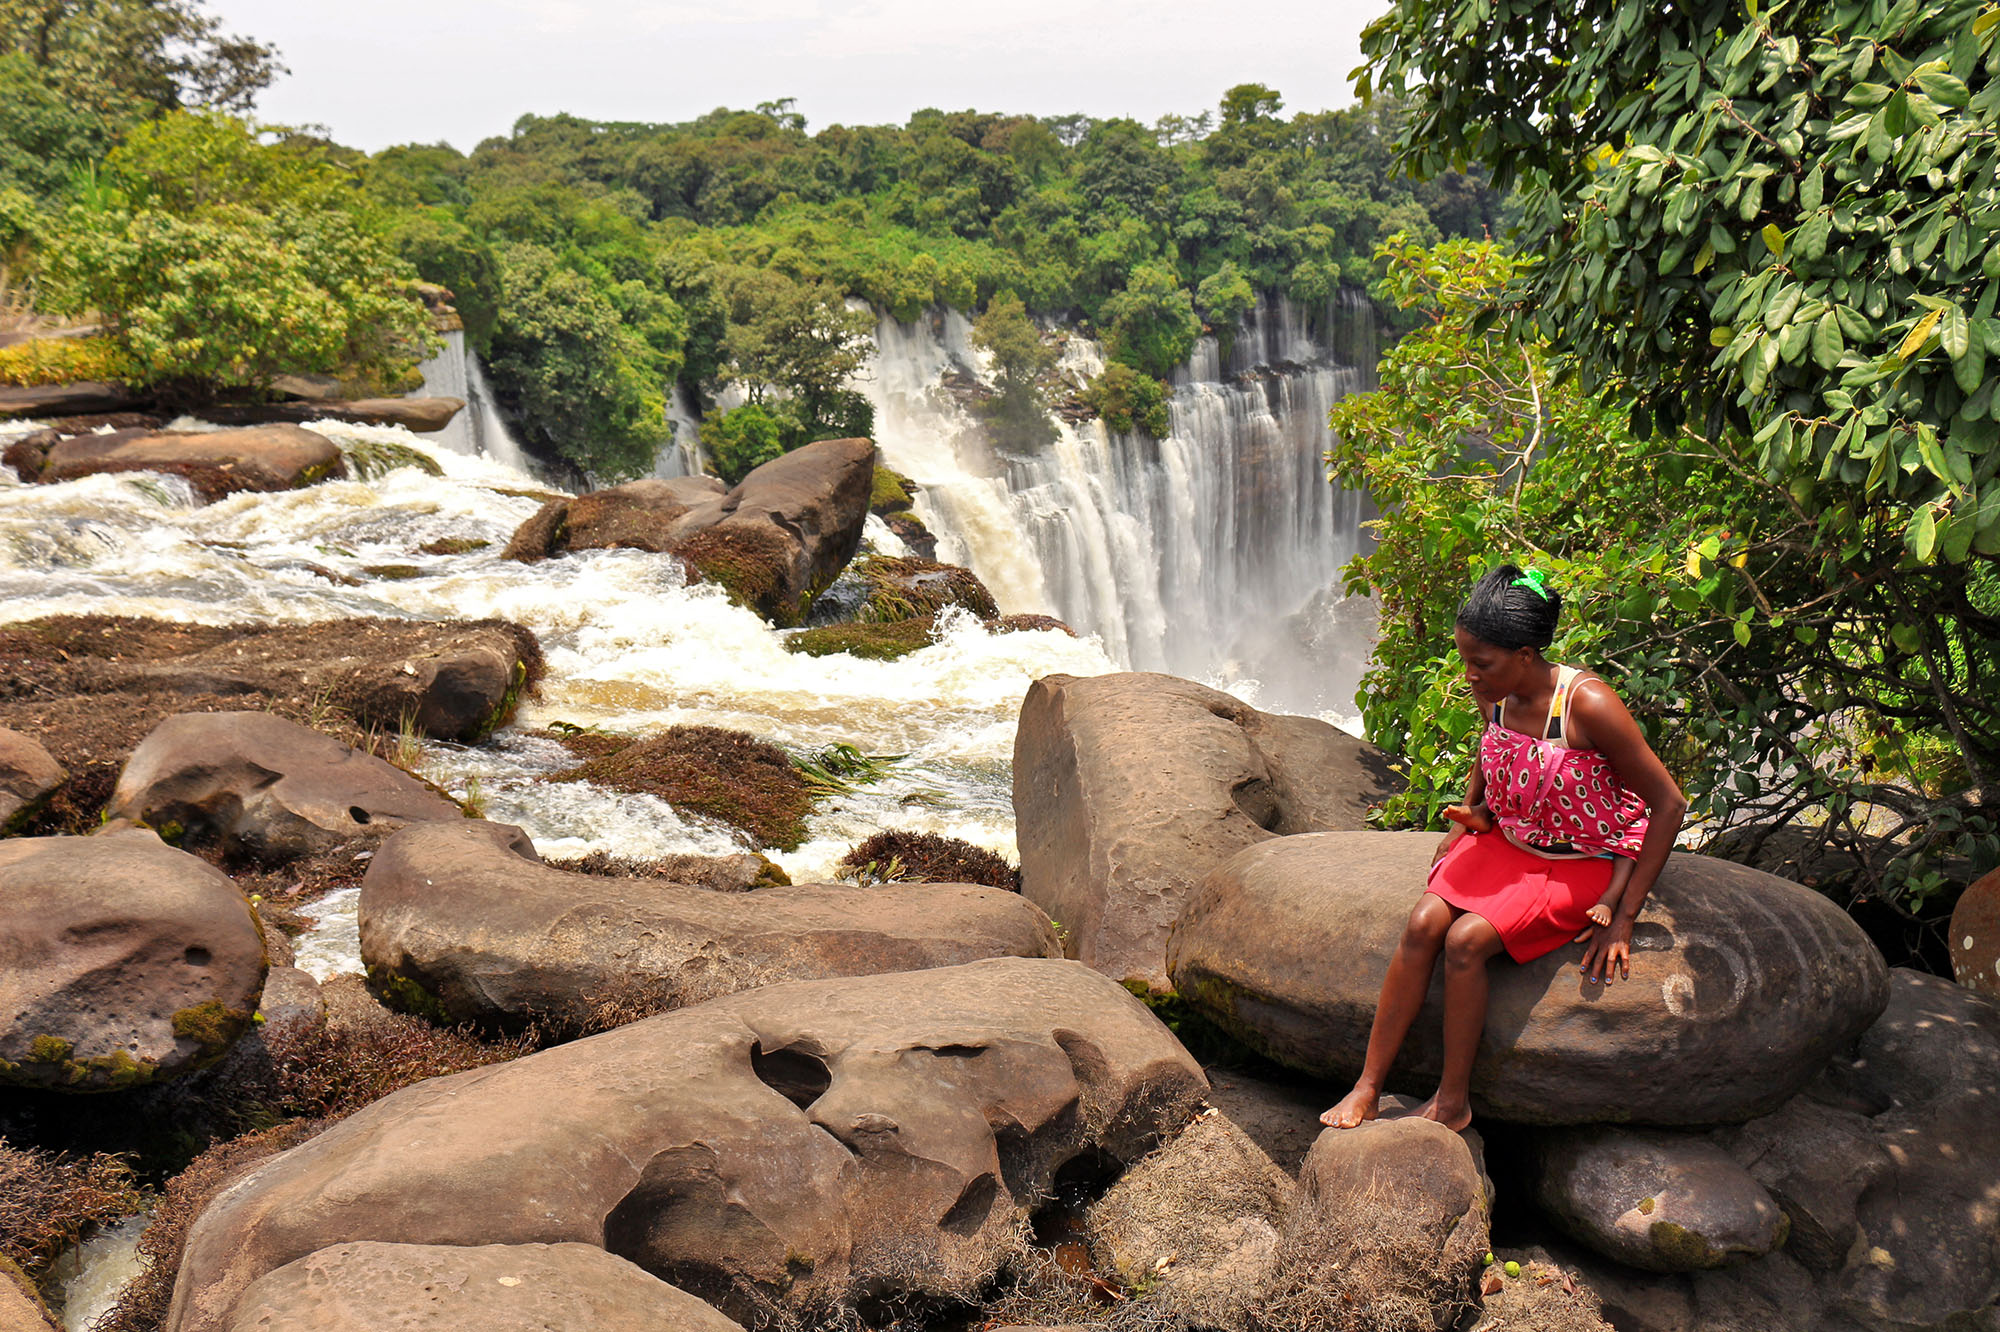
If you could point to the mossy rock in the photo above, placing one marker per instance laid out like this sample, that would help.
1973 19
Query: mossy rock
728 776
212 1025
394 573
899 856
907 588
890 492
453 546
871 642
751 565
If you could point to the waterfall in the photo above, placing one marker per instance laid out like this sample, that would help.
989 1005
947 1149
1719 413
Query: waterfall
480 429
1213 553
681 456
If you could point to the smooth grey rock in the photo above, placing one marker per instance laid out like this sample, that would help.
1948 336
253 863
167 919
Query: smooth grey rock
28 777
1663 1202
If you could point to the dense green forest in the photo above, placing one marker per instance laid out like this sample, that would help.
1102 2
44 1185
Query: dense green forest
597 264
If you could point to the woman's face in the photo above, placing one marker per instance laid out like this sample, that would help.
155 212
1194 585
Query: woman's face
1493 672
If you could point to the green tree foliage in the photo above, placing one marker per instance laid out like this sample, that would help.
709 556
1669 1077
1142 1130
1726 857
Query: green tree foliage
800 341
447 252
1150 325
739 440
1784 221
581 384
1018 414
1775 680
43 135
125 59
1128 400
221 260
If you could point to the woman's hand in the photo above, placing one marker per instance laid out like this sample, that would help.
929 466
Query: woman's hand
1444 842
1608 954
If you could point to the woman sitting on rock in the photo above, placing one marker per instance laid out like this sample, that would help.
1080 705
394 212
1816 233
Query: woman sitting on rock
1563 789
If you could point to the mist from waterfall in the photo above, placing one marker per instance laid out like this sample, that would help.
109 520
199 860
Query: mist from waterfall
1213 553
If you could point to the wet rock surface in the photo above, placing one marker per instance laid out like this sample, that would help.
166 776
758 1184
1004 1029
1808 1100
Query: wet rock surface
774 541
122 961
366 1287
1128 788
464 920
800 1145
266 787
1742 986
421 415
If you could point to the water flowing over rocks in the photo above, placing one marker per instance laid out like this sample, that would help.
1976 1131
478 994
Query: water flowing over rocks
1663 1202
28 776
1742 985
799 1145
774 541
1128 788
122 960
266 786
465 920
215 463
365 1287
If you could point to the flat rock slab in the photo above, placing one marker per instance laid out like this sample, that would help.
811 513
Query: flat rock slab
267 786
215 463
1663 1202
122 961
421 415
1128 788
1742 985
77 399
776 1152
468 915
774 541
374 1287
28 776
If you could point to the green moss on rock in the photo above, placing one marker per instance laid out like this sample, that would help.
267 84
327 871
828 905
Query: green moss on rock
212 1025
1684 1250
890 491
49 1050
406 995
871 642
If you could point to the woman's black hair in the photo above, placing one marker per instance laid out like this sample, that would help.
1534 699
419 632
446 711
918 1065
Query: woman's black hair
1511 609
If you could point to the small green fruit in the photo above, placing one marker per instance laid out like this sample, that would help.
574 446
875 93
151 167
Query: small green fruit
1512 1269
1489 1260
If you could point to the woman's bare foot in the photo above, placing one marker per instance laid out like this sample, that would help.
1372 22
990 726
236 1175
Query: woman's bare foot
1453 1117
1355 1108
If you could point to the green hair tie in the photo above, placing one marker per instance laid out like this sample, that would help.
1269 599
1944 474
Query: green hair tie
1532 580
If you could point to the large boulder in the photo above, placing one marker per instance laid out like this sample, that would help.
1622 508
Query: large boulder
1393 1220
1975 935
1742 985
465 921
215 463
421 415
1891 1152
28 776
122 960
778 1152
266 786
774 541
1128 788
368 1286
1664 1202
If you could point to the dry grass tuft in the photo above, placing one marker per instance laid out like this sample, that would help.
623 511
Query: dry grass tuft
911 857
1368 1267
734 778
51 1200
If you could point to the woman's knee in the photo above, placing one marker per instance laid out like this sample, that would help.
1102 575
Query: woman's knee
1470 942
1429 923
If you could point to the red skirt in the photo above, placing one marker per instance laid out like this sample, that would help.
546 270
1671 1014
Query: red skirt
1535 903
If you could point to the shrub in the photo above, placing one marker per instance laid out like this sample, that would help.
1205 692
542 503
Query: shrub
739 441
60 361
1128 401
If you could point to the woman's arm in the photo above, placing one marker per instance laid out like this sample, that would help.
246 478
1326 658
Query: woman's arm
1607 726
1475 796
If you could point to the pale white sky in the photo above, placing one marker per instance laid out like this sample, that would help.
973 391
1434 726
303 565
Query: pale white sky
378 72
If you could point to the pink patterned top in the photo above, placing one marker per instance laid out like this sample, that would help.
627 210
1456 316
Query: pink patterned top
1548 795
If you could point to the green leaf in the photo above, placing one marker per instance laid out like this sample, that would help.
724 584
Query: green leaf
1810 190
1774 239
1923 534
1827 345
1941 87
1907 637
1955 333
1806 634
1742 632
1868 94
1720 337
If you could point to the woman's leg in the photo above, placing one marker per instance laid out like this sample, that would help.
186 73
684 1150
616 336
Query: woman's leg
1469 945
1403 991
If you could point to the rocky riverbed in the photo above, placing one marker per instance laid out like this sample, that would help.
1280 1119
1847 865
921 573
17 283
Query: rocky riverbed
442 903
